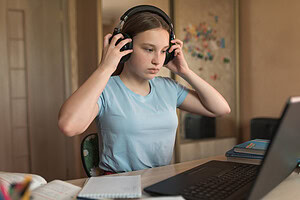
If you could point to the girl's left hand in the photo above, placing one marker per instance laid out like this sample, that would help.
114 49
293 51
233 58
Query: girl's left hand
178 65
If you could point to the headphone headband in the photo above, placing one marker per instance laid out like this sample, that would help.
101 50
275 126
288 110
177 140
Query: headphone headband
146 8
137 9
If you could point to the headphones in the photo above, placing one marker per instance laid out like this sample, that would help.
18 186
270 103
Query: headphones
137 9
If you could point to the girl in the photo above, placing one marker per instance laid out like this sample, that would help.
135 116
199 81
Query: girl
135 110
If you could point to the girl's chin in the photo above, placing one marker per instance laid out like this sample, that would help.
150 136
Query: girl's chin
150 76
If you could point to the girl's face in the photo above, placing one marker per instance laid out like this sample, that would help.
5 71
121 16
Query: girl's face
149 52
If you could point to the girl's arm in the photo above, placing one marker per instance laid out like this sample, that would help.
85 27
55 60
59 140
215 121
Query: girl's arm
204 99
81 108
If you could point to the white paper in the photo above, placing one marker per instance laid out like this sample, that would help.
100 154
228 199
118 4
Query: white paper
56 190
112 187
166 198
7 178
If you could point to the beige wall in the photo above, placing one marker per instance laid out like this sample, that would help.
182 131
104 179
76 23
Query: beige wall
269 57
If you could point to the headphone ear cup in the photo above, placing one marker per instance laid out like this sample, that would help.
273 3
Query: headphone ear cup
169 56
127 46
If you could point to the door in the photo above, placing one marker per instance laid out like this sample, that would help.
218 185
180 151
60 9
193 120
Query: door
33 87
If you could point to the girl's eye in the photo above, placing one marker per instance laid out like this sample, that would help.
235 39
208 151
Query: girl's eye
149 50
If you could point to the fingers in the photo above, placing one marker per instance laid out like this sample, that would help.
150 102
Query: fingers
123 42
123 53
114 44
116 38
177 52
177 45
178 42
106 39
173 47
110 47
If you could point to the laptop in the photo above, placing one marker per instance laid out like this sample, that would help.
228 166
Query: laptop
230 180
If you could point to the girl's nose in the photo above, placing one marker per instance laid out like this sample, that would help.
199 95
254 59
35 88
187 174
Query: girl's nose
156 60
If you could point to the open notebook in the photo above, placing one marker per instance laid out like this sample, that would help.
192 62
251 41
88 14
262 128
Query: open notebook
112 187
40 189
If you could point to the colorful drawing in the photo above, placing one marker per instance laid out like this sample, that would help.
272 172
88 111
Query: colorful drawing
216 19
201 41
214 77
226 60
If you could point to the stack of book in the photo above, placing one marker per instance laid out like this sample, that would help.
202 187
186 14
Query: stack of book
252 151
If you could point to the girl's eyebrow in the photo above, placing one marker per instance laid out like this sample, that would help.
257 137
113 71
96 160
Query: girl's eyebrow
152 45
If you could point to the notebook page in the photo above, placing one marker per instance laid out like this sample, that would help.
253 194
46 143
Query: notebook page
8 177
56 190
112 187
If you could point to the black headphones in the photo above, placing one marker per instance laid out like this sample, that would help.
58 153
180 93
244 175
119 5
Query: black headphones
137 9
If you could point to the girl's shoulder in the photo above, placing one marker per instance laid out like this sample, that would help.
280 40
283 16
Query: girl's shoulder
164 80
111 84
113 80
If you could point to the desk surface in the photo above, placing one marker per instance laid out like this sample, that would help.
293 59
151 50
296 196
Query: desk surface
288 189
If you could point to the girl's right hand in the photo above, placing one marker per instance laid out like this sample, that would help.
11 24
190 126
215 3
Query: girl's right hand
111 54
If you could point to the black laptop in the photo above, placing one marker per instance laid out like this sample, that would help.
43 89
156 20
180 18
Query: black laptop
230 180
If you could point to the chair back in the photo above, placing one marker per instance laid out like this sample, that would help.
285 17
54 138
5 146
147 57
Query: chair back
90 155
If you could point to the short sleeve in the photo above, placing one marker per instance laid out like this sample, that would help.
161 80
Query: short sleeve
178 89
182 92
101 104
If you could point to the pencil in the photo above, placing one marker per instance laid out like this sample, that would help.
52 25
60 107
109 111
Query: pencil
4 192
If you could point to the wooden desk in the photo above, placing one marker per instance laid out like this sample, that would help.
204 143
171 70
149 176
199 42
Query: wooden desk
288 189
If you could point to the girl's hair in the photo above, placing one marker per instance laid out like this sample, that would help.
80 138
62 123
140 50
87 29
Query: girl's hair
141 22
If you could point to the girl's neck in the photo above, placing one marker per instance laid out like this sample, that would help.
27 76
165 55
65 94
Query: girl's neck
135 84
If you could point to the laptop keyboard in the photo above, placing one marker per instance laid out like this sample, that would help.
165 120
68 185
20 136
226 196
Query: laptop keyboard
221 187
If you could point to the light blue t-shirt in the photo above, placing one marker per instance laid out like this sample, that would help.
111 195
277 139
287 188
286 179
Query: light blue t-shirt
138 132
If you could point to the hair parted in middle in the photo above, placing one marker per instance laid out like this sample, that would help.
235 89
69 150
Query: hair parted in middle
141 22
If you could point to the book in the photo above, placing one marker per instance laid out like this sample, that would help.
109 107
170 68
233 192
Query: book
231 155
256 146
40 189
111 187
243 157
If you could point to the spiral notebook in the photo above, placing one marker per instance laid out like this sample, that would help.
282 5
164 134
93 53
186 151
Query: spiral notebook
111 187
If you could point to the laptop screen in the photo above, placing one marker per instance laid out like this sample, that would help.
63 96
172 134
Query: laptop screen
283 152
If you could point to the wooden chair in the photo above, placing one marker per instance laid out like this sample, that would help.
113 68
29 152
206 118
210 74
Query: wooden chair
90 155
